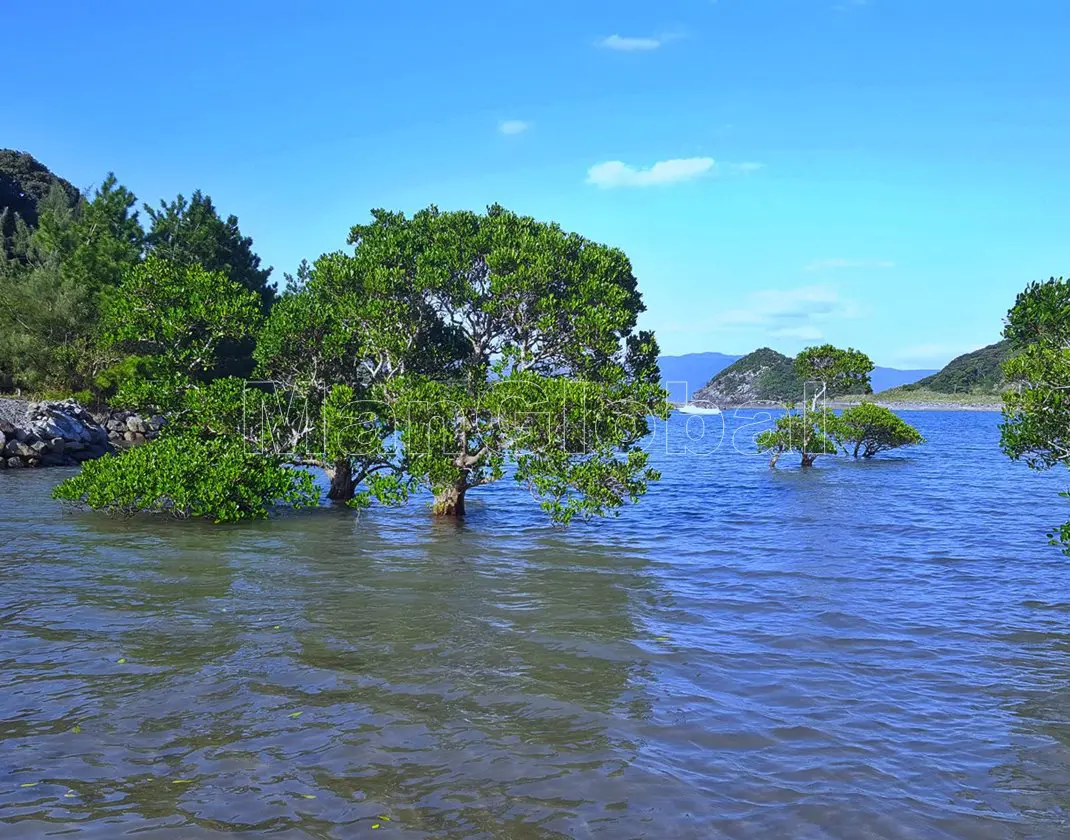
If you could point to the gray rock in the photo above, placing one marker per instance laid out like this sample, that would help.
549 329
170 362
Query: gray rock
15 463
18 449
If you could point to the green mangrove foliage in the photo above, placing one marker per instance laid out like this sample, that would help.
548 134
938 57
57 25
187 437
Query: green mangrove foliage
167 323
346 326
536 356
860 431
445 352
805 432
864 430
1036 406
831 371
185 476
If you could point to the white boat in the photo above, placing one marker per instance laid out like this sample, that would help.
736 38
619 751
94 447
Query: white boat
690 408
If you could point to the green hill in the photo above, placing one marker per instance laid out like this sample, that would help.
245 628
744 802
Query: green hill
24 182
762 377
979 372
759 377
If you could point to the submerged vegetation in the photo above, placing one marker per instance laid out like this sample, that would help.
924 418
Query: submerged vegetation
863 431
186 476
860 431
804 432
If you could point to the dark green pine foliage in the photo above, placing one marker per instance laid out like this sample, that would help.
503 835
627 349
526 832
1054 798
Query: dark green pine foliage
191 232
53 278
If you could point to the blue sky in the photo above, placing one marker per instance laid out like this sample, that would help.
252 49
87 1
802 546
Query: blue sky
886 174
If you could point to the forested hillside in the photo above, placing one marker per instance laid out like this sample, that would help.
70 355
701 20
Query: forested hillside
978 372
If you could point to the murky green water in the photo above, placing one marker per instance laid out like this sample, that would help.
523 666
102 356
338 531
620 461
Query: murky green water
864 651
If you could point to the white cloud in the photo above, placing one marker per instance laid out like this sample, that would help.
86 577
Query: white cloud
839 262
615 173
623 44
513 126
801 313
747 168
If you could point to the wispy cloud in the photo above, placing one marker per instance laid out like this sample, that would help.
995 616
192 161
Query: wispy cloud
513 126
616 173
782 309
802 313
747 167
840 263
623 43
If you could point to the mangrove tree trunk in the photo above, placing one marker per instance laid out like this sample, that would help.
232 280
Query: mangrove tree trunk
449 501
343 487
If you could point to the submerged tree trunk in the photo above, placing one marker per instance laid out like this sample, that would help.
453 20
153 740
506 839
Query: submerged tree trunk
449 501
343 487
808 459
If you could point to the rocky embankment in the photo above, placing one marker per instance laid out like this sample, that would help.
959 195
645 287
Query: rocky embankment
64 433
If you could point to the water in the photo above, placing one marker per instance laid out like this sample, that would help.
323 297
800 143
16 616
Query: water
864 650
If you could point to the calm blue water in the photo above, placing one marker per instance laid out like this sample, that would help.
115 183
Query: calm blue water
862 650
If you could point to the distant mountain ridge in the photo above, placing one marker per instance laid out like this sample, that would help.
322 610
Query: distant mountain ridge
685 375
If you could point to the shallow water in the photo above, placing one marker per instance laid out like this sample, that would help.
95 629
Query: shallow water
862 650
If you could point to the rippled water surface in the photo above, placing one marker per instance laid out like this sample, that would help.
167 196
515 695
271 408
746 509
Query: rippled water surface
863 650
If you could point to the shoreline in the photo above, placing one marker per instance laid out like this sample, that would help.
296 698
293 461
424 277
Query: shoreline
891 405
